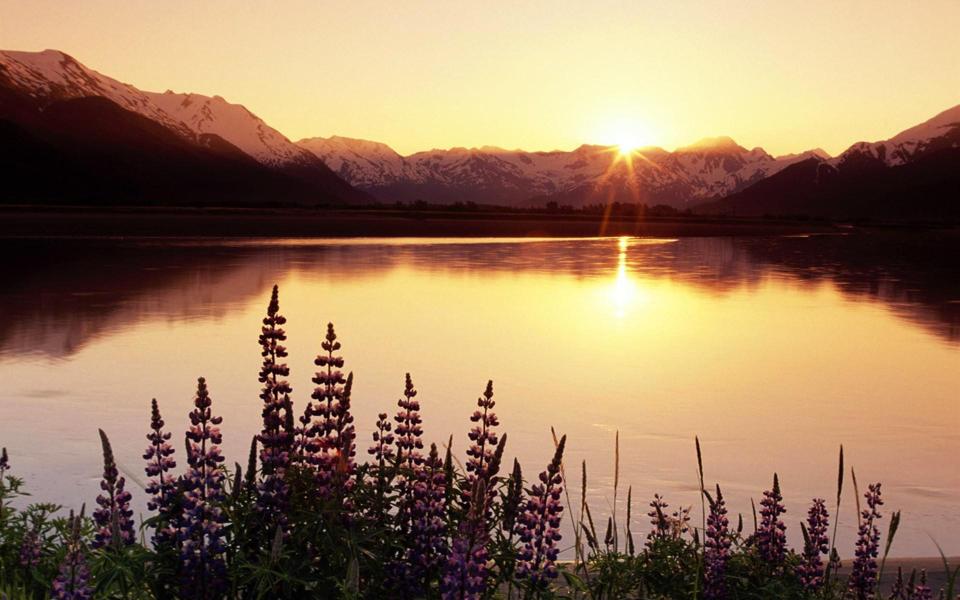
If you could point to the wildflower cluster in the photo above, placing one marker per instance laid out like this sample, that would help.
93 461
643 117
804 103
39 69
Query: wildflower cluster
304 519
73 576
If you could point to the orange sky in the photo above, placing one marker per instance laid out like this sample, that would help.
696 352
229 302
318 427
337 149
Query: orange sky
787 76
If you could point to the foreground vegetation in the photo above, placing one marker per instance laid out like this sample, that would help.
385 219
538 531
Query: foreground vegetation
307 519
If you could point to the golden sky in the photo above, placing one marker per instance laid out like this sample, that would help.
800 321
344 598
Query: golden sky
787 76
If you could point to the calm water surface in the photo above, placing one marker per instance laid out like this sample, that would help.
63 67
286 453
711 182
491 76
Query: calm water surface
773 350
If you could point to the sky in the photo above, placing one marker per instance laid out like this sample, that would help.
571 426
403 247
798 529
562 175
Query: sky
784 75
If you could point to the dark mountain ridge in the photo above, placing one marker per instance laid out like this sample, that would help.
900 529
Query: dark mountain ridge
913 176
69 148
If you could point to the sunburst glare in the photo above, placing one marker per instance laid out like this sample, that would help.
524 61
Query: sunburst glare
627 135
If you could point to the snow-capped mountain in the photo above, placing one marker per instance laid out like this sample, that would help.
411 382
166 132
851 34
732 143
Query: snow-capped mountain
942 131
914 174
710 168
92 129
232 122
51 75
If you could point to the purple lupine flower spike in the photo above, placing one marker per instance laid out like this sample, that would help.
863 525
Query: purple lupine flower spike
863 573
114 518
816 545
73 577
162 485
428 546
465 571
382 448
409 428
922 591
482 437
382 451
275 439
30 549
716 550
897 590
409 442
201 526
331 437
771 535
346 439
538 526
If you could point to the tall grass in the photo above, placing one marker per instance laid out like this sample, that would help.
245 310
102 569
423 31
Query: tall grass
307 518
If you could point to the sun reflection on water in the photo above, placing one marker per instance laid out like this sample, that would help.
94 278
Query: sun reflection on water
626 292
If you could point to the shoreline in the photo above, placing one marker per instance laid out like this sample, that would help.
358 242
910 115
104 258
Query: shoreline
96 222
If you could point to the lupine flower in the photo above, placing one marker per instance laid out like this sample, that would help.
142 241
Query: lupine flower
897 590
863 573
409 443
161 486
816 544
922 591
382 448
482 437
658 518
73 577
428 546
538 525
333 451
30 549
275 439
382 451
716 549
114 517
465 572
201 527
680 522
409 428
771 535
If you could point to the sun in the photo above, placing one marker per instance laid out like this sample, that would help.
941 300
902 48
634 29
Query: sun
627 142
626 135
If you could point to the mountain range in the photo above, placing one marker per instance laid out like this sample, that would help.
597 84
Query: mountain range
69 134
590 174
915 174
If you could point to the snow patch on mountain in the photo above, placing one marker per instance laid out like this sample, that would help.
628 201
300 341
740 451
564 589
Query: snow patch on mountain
234 123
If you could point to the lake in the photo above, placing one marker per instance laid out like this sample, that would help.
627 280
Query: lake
773 350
